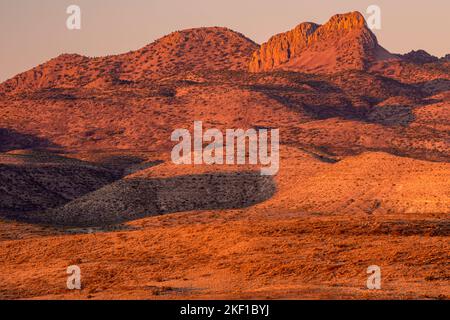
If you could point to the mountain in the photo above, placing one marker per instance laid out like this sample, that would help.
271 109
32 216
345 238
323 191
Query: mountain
344 42
87 177
136 99
190 50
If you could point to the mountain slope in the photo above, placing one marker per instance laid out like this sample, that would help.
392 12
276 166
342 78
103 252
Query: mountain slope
191 50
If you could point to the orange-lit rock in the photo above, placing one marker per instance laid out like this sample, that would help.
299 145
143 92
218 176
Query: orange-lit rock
344 42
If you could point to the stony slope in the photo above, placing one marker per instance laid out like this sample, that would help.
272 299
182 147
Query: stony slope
346 117
184 51
31 181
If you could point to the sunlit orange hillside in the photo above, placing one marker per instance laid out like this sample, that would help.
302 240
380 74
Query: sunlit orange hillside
87 179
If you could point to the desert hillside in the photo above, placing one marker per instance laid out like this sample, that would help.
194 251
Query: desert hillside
86 175
183 51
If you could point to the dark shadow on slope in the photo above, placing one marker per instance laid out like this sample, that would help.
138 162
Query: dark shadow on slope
119 162
392 115
434 86
122 164
329 102
348 95
13 140
131 199
40 186
362 109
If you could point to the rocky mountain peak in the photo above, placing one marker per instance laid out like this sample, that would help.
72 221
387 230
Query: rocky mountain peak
344 42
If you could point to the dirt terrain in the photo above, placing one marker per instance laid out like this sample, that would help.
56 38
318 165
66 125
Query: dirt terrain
86 176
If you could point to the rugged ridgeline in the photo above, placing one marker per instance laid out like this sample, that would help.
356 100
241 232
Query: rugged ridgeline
344 42
134 101
420 57
189 50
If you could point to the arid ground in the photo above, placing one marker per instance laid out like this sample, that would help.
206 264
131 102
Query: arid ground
86 176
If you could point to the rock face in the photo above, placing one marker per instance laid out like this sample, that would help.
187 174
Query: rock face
282 47
344 42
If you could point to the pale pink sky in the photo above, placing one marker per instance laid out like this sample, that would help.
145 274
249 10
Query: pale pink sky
34 31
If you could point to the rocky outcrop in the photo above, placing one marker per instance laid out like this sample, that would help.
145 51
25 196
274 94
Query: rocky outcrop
344 42
281 47
419 56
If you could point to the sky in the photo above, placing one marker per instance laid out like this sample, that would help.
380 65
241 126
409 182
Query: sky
34 31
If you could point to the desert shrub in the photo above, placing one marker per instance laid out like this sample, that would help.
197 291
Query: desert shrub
167 92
